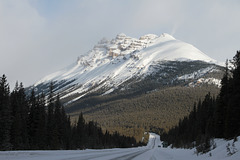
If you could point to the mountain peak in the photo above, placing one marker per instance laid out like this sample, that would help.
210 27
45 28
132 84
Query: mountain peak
167 36
113 62
121 35
163 47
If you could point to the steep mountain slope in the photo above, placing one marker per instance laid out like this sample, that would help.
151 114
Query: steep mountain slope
133 84
111 63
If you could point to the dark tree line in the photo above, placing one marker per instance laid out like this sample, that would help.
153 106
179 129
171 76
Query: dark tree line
90 135
198 127
213 117
37 122
228 111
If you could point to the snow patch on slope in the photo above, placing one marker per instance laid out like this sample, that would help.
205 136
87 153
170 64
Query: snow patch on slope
200 81
197 74
209 81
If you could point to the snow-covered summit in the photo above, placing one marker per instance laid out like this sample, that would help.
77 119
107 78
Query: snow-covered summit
163 47
112 62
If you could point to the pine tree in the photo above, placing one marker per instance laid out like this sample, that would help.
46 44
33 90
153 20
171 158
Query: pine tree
19 106
5 115
59 122
42 123
67 130
37 122
33 121
232 122
222 103
92 134
81 132
52 135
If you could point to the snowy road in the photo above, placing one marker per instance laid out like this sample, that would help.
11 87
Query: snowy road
149 152
106 154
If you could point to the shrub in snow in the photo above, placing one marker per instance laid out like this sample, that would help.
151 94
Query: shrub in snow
231 149
210 154
204 146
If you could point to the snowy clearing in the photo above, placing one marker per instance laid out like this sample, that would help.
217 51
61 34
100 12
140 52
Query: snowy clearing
152 151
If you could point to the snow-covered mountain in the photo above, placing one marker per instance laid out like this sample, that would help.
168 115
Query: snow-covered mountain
112 65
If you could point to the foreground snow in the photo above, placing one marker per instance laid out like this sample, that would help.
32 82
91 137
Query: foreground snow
150 152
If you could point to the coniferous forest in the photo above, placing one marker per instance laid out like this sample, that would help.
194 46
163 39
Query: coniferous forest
214 117
40 123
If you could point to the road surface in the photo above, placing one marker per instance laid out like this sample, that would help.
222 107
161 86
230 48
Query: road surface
149 152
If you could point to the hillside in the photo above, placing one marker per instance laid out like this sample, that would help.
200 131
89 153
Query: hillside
151 111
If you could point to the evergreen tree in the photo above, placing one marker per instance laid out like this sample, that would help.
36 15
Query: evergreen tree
5 115
232 122
42 123
81 132
37 122
67 130
62 124
222 103
92 134
52 133
58 124
19 106
33 120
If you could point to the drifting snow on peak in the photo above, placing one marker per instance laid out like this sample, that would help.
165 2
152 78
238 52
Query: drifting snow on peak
112 62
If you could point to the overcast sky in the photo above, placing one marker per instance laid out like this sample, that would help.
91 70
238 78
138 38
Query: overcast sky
38 37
